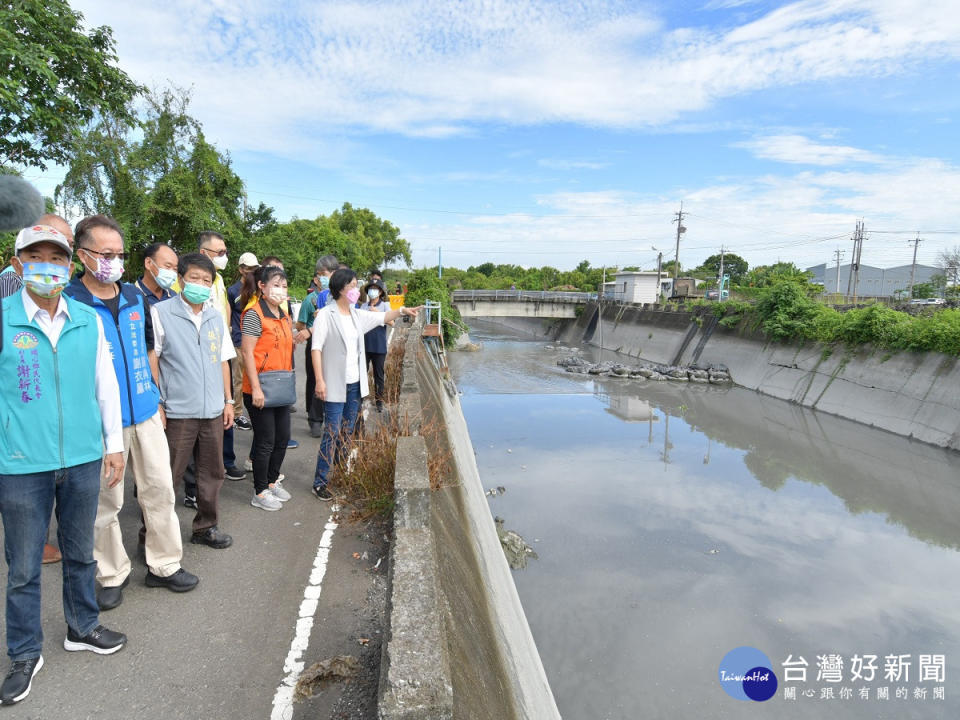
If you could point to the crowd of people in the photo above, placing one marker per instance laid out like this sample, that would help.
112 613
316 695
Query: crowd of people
178 360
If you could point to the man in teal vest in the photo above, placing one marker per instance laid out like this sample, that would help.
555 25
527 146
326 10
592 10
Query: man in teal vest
126 322
191 354
51 451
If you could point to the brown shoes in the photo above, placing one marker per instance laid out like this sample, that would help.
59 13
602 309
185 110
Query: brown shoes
51 554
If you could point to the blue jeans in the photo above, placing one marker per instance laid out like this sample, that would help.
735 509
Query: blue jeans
338 422
25 504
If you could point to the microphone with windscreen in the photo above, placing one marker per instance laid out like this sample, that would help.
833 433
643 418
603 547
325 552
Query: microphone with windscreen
20 203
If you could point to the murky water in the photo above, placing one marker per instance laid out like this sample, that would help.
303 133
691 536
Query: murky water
674 523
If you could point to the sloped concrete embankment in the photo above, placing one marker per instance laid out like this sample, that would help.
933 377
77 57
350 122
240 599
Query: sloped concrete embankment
912 394
458 643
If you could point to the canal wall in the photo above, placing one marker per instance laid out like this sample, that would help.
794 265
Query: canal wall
458 644
913 394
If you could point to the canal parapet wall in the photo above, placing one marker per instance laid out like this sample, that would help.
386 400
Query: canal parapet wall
913 394
458 644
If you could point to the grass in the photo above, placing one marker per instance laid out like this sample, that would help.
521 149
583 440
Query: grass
367 487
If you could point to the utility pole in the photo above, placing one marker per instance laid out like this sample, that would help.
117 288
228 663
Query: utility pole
659 266
837 254
856 260
853 258
913 267
720 281
680 230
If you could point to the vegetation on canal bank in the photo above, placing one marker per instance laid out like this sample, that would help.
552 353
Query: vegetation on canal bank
789 311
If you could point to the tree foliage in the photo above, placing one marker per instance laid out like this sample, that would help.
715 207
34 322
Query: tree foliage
164 182
56 79
733 265
423 285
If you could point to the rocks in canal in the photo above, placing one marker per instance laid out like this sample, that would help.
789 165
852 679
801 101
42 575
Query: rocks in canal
715 373
515 547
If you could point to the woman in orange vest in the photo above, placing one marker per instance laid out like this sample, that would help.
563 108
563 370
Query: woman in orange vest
266 341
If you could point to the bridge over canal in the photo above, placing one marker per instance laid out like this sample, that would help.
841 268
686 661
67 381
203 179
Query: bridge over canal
519 303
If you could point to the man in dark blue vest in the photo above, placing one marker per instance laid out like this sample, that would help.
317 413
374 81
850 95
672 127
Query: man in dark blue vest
126 321
51 451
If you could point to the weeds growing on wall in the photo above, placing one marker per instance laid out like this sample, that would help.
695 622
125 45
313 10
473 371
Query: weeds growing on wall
787 312
366 488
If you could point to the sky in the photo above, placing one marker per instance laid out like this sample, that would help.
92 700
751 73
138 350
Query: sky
550 132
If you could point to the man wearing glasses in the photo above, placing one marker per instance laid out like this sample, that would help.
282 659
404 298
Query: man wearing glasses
127 324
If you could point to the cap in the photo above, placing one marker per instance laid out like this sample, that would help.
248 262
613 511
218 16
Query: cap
38 234
248 259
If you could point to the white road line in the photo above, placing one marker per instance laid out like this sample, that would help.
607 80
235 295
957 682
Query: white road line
293 665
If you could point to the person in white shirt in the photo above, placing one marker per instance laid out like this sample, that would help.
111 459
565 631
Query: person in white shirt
56 436
340 366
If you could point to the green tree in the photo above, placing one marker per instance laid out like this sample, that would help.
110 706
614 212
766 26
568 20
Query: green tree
379 239
159 177
56 79
923 290
733 265
767 275
424 285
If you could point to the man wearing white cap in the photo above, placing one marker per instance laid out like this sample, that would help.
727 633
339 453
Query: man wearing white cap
56 436
247 264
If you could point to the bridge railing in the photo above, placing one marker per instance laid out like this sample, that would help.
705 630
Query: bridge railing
526 295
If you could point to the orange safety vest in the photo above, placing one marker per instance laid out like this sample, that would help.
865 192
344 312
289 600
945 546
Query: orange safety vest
274 348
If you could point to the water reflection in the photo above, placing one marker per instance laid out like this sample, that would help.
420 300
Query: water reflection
675 522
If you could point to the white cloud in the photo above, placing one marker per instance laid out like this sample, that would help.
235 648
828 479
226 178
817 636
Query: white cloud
281 73
801 150
801 217
562 164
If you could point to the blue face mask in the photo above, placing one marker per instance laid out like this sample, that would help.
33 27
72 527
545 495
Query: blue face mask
45 279
196 294
324 282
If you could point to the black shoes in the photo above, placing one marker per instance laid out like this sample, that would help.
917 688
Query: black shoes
190 501
379 406
212 537
321 493
180 581
16 686
99 640
316 429
234 473
243 422
109 597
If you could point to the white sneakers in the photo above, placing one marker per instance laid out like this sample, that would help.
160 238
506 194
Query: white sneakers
277 489
272 498
266 500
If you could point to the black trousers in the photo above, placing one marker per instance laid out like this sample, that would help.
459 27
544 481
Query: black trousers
313 404
377 360
271 433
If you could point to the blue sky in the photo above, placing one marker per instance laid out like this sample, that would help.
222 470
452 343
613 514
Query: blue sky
549 132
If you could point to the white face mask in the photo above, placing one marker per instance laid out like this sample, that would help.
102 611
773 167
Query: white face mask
220 262
277 294
373 293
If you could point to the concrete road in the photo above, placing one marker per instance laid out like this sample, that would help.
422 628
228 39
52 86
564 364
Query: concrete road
218 652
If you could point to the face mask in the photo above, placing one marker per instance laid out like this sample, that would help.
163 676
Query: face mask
324 282
277 294
165 278
373 294
108 271
196 294
45 279
352 295
220 262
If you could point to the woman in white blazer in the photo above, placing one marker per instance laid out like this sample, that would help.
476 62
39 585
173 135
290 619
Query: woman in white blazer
340 366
